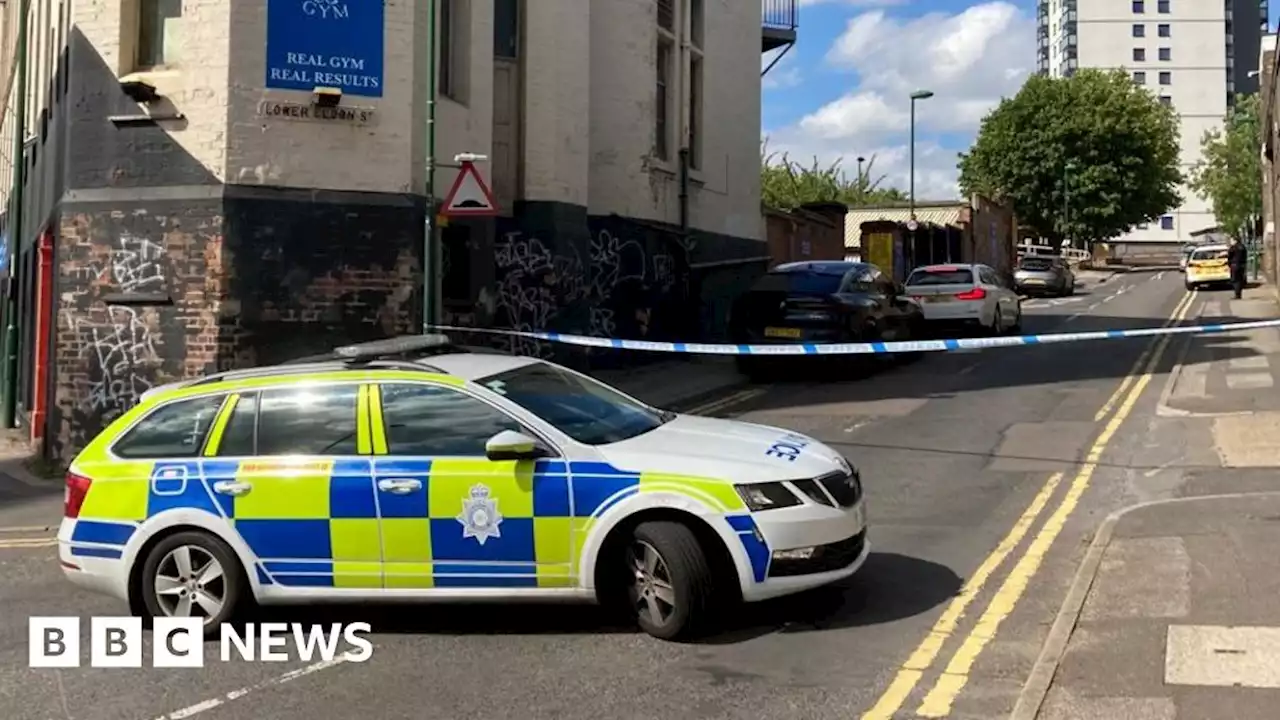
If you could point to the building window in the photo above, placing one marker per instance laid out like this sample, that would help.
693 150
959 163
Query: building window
696 66
1166 222
506 29
1166 78
1139 78
158 22
1139 7
1139 55
1166 100
447 72
662 97
1164 30
1162 7
1166 54
1139 30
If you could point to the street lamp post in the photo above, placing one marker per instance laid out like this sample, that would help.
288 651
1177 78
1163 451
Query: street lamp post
911 197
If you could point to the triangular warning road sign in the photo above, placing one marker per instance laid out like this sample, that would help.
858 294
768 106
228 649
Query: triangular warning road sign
469 194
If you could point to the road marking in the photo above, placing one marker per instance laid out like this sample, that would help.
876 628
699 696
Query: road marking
937 703
735 399
212 703
13 543
913 669
1179 314
911 672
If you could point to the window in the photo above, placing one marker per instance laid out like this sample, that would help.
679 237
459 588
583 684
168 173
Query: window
1166 100
1139 7
158 22
1163 30
506 29
695 83
1139 30
1166 222
436 421
452 19
240 436
1139 55
1166 54
1140 78
1162 6
662 92
308 421
1166 78
176 430
583 409
941 276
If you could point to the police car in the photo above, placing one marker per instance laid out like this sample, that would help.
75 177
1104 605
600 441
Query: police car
416 470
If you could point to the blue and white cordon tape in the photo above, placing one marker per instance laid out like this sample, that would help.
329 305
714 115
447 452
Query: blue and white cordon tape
863 348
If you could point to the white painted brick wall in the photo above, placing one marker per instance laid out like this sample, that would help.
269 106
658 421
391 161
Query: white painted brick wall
624 177
557 120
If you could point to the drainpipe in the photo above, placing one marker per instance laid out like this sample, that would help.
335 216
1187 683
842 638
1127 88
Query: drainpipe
9 373
684 193
429 244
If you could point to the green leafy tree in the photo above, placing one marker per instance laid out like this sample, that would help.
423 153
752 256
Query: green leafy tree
1229 173
1087 156
785 184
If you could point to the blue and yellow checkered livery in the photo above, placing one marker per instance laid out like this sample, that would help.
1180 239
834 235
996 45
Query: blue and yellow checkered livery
380 521
325 523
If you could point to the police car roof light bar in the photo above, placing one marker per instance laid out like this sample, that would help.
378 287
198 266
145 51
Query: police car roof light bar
419 345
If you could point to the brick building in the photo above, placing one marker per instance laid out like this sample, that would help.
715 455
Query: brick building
190 203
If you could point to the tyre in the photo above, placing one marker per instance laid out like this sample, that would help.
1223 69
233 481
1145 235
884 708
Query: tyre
193 574
1190 286
671 589
1016 327
996 321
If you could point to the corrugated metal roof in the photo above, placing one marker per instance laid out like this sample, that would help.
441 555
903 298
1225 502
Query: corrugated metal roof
931 214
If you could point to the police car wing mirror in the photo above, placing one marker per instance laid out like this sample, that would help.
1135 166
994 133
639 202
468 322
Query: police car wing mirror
512 445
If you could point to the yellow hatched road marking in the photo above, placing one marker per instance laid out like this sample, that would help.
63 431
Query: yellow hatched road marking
938 702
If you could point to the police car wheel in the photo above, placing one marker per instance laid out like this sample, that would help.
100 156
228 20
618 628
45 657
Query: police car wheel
671 584
192 574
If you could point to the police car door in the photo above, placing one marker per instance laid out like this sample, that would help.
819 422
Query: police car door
292 469
451 517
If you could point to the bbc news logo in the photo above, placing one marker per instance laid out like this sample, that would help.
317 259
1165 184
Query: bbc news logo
117 642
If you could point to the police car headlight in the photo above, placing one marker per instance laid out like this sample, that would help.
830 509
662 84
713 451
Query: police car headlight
767 496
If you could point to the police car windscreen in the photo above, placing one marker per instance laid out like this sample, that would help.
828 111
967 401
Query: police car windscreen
587 411
941 276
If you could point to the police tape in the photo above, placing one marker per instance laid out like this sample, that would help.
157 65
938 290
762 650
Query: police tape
864 348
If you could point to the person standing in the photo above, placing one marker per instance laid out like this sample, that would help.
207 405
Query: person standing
1237 260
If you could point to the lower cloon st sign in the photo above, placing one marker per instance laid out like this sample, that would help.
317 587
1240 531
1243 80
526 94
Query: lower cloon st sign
315 113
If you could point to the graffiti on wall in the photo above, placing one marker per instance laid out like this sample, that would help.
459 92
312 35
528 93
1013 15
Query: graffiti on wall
611 292
120 347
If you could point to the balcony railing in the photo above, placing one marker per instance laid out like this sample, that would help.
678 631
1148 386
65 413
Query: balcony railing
778 23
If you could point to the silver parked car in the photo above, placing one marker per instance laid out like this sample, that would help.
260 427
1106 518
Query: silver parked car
1044 276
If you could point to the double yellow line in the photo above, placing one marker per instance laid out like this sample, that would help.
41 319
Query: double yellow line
26 542
938 701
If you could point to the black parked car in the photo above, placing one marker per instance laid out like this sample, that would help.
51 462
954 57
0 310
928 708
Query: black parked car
823 302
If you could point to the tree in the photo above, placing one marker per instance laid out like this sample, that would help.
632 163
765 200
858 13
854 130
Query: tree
1086 156
1229 173
785 184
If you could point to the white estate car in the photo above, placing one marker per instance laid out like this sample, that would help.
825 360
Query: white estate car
972 295
412 469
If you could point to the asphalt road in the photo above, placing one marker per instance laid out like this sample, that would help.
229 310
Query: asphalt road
954 448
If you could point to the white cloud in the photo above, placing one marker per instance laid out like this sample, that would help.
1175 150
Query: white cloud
969 60
783 74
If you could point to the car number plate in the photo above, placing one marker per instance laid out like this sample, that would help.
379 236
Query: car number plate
776 332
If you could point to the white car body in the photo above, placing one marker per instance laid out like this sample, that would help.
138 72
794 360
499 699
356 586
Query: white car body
717 451
965 293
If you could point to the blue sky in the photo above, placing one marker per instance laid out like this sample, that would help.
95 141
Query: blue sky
842 89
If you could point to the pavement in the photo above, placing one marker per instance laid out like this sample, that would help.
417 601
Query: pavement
988 474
